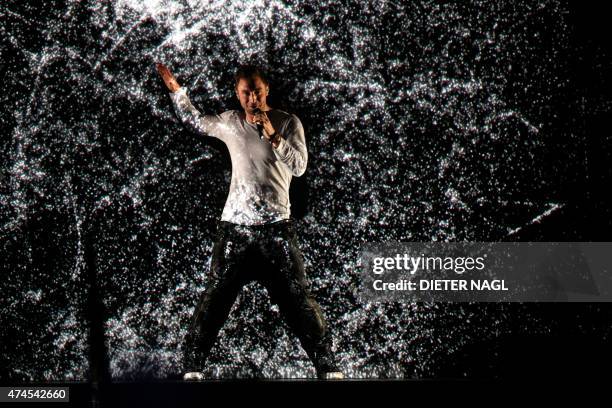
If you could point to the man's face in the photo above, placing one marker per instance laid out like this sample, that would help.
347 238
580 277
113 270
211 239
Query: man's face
252 93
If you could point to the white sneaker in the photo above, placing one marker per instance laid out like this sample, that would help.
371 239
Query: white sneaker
194 376
334 375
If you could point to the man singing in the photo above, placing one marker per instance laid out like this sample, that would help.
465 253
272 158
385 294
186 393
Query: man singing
267 147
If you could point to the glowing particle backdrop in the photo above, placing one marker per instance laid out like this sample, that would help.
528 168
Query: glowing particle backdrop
423 122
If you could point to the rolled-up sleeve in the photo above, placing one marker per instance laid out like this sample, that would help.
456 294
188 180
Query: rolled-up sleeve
211 125
292 147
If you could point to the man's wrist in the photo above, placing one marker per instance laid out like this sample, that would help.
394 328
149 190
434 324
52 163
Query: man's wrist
275 139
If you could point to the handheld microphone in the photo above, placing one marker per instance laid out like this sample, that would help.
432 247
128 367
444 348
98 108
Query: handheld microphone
257 111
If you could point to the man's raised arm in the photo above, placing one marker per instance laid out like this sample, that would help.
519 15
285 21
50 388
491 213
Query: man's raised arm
211 125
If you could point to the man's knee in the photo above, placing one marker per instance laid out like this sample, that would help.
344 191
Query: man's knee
307 315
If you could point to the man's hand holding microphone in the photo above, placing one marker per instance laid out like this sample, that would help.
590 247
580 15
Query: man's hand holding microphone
266 130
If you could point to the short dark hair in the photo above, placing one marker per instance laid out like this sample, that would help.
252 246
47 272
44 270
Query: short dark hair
248 72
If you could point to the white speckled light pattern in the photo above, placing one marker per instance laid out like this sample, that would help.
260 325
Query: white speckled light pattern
424 122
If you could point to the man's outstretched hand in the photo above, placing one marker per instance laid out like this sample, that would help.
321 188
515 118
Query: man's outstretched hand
168 78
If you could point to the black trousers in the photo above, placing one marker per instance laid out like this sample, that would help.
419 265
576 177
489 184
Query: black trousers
270 255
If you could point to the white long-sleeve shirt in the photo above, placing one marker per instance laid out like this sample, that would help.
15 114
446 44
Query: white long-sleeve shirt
261 174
